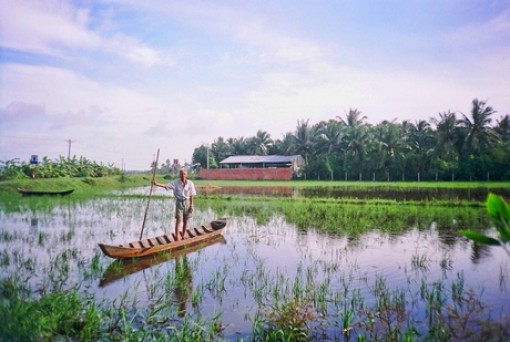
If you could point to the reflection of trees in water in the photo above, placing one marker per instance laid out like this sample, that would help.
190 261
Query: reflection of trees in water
375 192
403 193
272 191
479 252
183 283
448 238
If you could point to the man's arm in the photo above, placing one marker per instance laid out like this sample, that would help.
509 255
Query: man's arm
159 184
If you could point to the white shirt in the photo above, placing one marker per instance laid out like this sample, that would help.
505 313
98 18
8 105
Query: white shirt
182 192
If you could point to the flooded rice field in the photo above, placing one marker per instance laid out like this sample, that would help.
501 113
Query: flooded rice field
256 275
381 192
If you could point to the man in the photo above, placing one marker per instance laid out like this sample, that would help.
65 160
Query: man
183 190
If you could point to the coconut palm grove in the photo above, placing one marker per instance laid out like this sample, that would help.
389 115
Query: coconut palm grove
450 146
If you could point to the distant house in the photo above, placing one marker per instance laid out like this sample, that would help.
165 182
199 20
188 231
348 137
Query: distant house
295 162
257 167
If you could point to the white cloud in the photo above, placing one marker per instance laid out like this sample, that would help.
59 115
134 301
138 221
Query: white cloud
45 27
55 27
250 29
133 50
475 33
47 105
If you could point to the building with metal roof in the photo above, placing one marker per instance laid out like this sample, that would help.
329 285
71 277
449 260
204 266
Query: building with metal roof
257 167
295 162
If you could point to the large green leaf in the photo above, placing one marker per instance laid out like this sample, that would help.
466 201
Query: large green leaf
480 238
499 212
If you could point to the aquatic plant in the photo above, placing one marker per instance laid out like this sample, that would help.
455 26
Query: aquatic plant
287 321
499 213
53 316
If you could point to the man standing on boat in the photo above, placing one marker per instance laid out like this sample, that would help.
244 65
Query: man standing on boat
183 190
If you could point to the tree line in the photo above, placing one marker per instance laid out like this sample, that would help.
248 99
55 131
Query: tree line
452 146
61 167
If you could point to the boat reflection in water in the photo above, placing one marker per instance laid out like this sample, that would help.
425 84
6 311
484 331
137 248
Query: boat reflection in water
121 268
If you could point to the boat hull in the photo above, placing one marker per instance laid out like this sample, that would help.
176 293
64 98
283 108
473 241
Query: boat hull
121 268
168 242
26 192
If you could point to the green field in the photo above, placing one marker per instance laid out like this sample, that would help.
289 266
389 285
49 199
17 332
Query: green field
88 183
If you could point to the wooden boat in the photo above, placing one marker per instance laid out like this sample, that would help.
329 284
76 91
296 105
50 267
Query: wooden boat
121 268
26 192
141 248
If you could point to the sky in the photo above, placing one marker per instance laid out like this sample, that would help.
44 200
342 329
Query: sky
116 80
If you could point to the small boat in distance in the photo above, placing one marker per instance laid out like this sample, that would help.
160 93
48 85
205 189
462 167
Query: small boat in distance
141 248
26 192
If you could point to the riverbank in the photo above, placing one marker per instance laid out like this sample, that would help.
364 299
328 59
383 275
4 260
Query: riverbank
87 184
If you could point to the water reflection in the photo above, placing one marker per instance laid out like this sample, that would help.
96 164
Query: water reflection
480 252
268 191
246 270
380 192
183 283
404 193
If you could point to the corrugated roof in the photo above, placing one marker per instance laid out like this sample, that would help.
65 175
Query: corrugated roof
258 159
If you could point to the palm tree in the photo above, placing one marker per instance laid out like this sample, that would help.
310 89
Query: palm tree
420 135
329 136
448 135
285 145
447 131
327 140
262 142
302 139
392 146
356 138
479 135
237 146
353 118
503 128
421 142
219 150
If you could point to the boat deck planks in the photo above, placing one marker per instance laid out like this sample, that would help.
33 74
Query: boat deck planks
141 248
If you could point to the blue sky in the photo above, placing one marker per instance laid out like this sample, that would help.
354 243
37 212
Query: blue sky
124 78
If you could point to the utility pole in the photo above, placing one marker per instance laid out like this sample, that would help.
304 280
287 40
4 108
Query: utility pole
69 141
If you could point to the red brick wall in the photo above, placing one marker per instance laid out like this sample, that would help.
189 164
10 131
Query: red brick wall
248 174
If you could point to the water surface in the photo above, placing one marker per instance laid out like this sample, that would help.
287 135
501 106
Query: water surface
51 244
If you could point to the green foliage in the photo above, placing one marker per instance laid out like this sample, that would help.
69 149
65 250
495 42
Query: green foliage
61 167
349 215
349 148
499 213
10 170
288 321
83 186
53 316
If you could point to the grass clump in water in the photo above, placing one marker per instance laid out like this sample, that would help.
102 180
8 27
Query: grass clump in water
287 321
54 315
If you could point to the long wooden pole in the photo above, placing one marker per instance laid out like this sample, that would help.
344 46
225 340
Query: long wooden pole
150 193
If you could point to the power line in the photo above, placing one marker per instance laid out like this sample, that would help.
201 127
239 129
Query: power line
69 141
